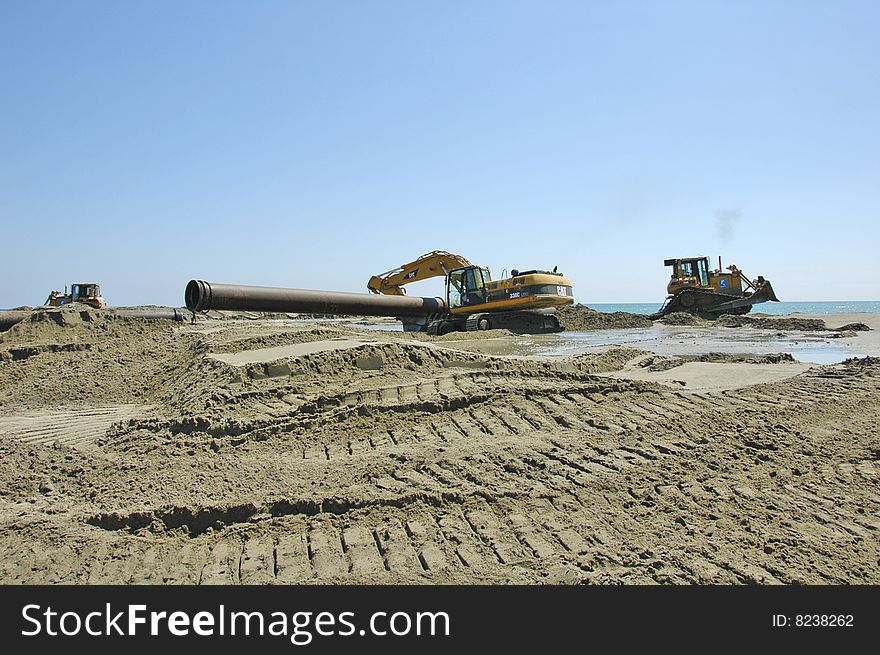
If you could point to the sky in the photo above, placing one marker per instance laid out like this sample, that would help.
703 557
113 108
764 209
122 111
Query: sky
312 144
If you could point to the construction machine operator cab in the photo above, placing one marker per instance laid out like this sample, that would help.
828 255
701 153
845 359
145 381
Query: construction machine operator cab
690 272
80 292
466 286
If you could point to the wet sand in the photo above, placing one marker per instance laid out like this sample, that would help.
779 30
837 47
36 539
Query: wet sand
282 451
825 346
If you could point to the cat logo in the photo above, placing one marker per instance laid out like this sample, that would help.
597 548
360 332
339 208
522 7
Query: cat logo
411 274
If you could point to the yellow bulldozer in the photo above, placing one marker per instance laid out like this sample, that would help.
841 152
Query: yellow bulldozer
84 292
523 302
695 289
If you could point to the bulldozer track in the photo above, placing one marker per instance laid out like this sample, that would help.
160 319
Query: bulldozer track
478 476
79 428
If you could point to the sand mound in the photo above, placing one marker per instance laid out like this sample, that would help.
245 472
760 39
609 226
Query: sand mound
867 362
451 336
853 327
580 318
661 363
684 318
45 321
612 359
760 322
237 343
76 354
801 324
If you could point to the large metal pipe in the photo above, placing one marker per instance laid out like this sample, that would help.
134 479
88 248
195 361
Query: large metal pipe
158 313
10 318
202 296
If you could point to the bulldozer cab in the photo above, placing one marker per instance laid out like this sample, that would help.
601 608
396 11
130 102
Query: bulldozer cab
693 267
692 272
84 291
88 293
466 286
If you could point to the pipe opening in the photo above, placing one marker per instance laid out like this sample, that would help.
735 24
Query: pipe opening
196 295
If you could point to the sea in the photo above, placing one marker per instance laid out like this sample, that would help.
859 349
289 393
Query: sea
774 308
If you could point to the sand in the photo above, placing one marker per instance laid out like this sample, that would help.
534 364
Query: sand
579 318
256 451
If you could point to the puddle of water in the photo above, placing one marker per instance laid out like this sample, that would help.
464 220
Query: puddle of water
804 346
576 342
385 327
808 347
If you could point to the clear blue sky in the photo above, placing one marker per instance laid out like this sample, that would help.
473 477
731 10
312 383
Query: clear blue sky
313 144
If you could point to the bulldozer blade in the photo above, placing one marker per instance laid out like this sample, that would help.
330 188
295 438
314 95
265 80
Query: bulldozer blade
763 294
766 291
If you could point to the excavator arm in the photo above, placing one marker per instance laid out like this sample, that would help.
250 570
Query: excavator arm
432 264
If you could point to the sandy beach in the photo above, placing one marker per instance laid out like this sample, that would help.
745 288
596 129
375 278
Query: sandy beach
260 451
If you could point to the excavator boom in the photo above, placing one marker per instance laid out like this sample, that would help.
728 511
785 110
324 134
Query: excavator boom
433 264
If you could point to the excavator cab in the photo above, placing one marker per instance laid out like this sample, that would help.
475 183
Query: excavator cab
467 286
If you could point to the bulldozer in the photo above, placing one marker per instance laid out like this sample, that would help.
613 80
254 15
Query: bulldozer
524 302
84 292
696 289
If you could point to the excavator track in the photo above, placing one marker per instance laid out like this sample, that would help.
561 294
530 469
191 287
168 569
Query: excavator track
518 322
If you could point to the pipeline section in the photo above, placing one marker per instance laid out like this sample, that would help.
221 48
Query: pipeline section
204 296
10 318
159 313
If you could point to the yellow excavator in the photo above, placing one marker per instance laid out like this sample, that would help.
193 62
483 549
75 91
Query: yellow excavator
696 289
88 293
524 302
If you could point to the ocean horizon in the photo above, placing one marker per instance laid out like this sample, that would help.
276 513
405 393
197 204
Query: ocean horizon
774 308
